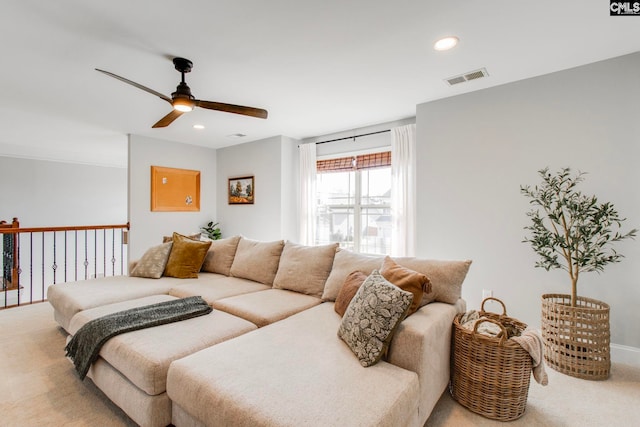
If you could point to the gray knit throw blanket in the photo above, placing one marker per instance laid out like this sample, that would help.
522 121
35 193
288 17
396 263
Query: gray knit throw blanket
84 346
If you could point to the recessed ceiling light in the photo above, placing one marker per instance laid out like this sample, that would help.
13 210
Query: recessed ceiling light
198 126
446 43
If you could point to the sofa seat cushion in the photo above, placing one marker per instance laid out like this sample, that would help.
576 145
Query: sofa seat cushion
143 356
295 372
265 307
70 298
215 289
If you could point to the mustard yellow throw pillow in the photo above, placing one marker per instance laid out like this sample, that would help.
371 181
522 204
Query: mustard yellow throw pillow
186 257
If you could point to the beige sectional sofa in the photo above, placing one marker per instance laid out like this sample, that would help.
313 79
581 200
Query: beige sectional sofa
269 353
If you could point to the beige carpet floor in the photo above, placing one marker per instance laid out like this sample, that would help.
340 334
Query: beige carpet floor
38 387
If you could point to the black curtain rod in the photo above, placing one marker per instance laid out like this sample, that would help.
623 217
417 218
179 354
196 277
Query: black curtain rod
354 137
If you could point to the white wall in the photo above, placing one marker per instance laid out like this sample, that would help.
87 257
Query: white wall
474 152
147 228
48 194
272 214
290 186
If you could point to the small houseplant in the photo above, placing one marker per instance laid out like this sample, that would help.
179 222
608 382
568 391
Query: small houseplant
212 231
573 232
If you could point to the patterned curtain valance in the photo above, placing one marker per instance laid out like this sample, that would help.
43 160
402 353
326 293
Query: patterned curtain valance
352 163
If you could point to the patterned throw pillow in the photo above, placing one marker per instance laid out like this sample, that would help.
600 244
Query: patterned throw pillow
372 318
153 262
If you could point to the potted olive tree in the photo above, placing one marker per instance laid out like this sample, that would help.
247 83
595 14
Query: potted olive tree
573 232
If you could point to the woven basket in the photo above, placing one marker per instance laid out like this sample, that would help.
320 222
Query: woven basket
576 339
490 376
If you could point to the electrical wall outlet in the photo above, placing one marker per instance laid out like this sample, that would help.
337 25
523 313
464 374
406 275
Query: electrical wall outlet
486 293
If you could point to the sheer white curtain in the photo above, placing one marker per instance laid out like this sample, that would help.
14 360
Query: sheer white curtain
307 193
403 190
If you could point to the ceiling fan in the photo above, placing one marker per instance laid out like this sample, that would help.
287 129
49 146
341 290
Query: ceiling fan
183 101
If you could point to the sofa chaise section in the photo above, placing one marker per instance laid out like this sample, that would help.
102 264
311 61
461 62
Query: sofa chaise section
294 372
70 298
132 368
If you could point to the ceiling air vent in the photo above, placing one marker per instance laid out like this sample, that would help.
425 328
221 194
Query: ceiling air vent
471 75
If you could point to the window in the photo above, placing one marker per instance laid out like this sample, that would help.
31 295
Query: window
354 202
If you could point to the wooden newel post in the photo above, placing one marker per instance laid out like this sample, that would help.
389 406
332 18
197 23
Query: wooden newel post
10 256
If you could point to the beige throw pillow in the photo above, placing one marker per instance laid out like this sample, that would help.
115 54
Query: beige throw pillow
446 277
373 317
153 262
305 269
344 263
186 257
219 258
257 261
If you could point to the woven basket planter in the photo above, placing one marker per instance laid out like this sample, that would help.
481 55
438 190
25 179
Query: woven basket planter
576 339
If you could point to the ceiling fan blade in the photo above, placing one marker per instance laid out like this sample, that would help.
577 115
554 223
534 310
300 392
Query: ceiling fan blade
236 109
168 119
138 85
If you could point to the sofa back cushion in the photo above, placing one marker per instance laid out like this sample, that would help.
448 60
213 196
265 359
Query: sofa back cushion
220 256
186 257
446 277
305 269
196 236
345 263
257 261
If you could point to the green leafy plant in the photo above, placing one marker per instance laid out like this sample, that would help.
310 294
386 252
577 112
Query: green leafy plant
212 231
573 232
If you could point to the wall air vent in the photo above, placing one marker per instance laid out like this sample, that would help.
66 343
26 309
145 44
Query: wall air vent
471 75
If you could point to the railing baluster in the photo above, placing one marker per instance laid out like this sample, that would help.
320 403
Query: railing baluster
65 256
113 251
86 262
104 252
30 267
75 249
42 263
55 265
122 252
95 254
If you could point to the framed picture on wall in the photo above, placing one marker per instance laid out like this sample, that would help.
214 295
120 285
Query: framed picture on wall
241 190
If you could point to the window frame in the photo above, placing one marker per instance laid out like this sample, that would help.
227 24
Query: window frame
357 206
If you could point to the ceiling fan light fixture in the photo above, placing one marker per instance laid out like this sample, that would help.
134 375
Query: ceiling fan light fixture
183 105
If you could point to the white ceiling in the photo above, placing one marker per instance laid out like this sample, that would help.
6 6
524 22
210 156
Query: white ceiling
318 67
